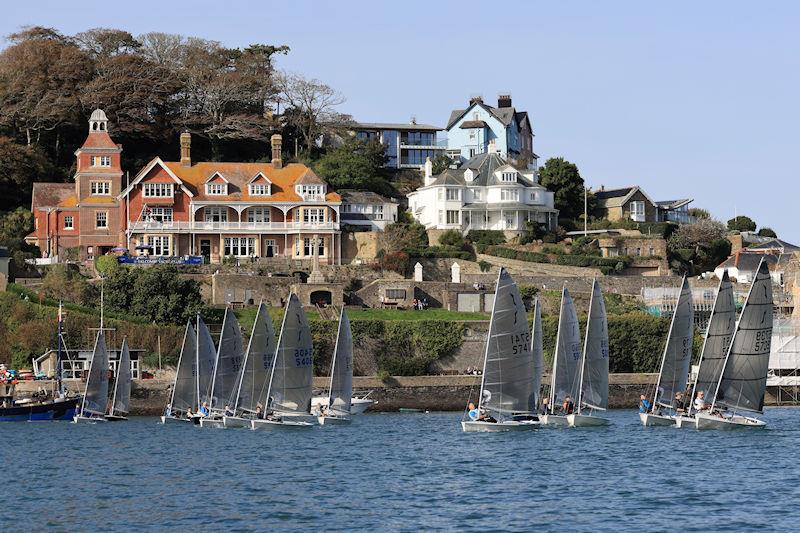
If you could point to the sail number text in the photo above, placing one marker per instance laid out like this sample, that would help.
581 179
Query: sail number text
520 343
763 339
303 357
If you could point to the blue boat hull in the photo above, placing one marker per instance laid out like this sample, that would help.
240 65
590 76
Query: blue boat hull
41 412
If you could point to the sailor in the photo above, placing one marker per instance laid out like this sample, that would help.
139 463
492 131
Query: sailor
228 410
644 404
472 412
189 413
545 408
677 403
259 411
700 401
568 406
204 409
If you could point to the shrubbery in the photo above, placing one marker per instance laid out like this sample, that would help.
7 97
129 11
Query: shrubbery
487 237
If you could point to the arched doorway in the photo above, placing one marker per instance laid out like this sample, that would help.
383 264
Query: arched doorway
323 298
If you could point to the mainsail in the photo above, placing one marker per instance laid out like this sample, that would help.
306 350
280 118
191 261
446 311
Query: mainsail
744 378
229 362
677 356
507 385
95 400
537 352
290 385
341 390
206 359
594 367
257 363
717 340
184 393
567 358
122 387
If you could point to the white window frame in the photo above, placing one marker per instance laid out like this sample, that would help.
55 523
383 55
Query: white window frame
453 217
162 215
210 213
239 246
509 195
312 192
158 190
216 189
260 189
476 194
100 188
320 247
508 177
314 215
638 212
453 195
69 222
97 219
258 215
101 161
161 245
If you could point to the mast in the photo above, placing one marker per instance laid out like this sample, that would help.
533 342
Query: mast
555 355
197 362
488 339
246 358
59 382
585 347
666 345
333 360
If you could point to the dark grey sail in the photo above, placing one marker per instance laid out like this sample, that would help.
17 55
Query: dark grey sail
184 392
567 358
290 387
258 362
95 400
744 378
341 389
229 363
206 360
537 351
594 373
507 386
122 387
677 357
718 337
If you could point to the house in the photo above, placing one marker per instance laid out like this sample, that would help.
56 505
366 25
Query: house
635 204
407 145
367 209
480 128
485 192
674 211
84 215
743 265
229 209
75 364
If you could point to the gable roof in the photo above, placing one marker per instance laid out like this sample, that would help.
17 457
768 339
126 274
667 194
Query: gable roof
484 166
504 114
749 261
618 197
99 139
50 194
775 244
351 196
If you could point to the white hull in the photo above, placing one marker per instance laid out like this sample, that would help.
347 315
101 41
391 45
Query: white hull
235 422
650 419
357 405
212 423
78 419
579 421
278 424
333 420
471 426
173 420
685 422
554 420
708 421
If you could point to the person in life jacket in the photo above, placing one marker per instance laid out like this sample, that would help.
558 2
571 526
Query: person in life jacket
568 406
644 404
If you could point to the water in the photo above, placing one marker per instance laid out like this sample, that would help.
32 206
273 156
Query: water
401 472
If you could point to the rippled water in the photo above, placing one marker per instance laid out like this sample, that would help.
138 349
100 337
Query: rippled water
401 472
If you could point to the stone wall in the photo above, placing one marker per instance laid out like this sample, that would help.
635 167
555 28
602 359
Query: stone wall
528 268
360 246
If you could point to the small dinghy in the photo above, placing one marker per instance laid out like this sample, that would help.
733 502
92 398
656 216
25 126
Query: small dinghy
120 402
340 391
674 372
565 378
744 376
507 384
226 371
95 398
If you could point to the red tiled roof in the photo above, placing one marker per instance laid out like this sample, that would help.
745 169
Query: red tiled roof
50 194
99 139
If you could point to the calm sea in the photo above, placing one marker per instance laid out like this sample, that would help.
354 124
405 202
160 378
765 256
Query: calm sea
404 472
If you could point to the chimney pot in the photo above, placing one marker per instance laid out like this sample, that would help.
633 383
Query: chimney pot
186 149
504 100
277 161
476 99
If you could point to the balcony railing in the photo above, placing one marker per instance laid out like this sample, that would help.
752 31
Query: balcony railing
232 226
364 216
313 197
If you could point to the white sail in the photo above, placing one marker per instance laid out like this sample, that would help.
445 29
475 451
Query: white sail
677 357
567 357
594 365
290 384
229 363
95 400
122 387
507 385
258 362
537 351
341 388
744 377
205 360
718 337
184 390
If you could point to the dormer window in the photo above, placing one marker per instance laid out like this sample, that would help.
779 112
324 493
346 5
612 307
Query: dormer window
260 189
508 177
311 192
216 189
157 190
101 160
469 175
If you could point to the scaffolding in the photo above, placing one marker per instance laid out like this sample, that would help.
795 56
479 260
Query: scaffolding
783 378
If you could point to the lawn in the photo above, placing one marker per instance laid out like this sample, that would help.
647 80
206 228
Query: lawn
247 316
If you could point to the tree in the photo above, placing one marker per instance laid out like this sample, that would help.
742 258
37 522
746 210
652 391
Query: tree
698 247
767 232
699 213
355 165
159 293
396 237
564 179
451 237
441 163
741 223
314 105
20 166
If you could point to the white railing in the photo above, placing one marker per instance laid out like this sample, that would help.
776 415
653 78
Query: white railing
313 197
231 226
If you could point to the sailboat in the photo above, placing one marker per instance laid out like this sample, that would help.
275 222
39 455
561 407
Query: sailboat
507 385
718 336
537 352
95 397
226 371
340 391
674 372
743 382
593 389
256 369
566 361
121 399
289 391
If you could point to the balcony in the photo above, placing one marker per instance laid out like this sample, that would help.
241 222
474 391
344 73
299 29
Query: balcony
238 227
313 197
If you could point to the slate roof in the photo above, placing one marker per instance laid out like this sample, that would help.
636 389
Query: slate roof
485 165
775 244
673 204
396 126
618 197
50 194
749 261
504 114
350 196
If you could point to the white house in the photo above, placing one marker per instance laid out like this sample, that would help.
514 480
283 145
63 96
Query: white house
367 209
486 192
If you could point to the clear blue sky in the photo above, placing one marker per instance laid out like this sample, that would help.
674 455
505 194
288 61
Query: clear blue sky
686 99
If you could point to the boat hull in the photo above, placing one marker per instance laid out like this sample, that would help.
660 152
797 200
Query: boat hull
685 422
78 419
173 420
576 420
554 420
474 426
212 423
357 405
44 412
116 418
333 420
707 421
651 420
235 422
278 424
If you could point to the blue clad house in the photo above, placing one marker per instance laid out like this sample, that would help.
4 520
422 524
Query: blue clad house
481 128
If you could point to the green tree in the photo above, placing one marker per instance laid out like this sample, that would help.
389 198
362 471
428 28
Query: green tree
355 165
441 163
158 293
451 237
564 179
698 247
20 166
699 213
767 232
398 236
741 223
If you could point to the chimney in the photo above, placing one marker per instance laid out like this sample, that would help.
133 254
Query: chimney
476 99
504 100
428 171
186 149
277 162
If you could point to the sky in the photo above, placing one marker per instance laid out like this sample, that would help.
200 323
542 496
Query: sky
685 99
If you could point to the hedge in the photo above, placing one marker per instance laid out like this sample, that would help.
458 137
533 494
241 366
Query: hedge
486 237
441 252
605 264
